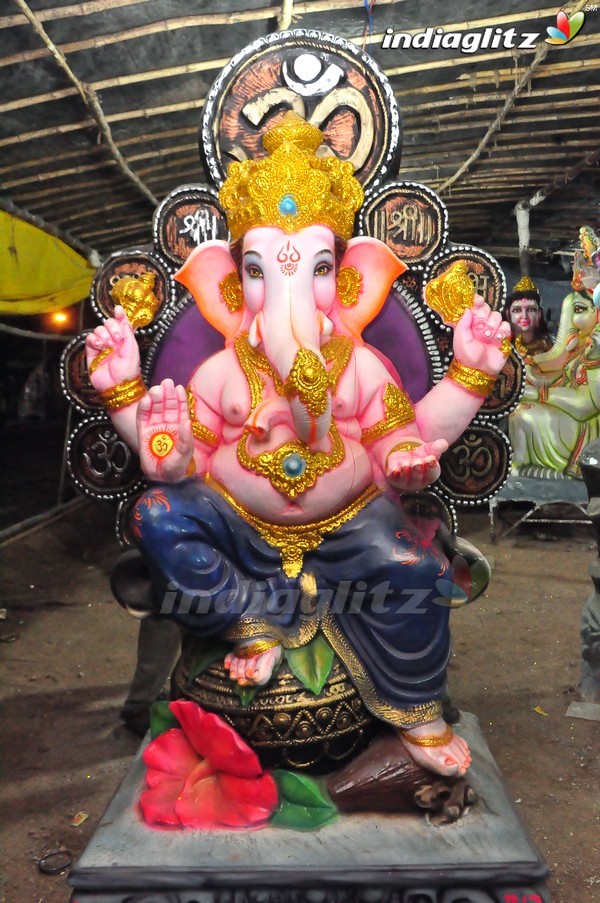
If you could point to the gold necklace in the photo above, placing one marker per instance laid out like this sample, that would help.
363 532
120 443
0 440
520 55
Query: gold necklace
293 467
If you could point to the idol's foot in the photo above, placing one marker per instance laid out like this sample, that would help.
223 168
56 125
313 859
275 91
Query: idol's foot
436 747
253 663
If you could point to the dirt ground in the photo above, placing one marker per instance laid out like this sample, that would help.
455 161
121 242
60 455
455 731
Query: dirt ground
68 654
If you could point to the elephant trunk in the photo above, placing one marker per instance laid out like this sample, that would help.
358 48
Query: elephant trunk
290 333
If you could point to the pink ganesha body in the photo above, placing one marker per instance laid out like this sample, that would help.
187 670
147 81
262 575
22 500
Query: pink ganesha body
274 462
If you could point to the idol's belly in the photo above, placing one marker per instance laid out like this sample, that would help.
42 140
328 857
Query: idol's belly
332 491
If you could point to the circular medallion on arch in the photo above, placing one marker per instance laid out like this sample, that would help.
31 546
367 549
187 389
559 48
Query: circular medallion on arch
325 79
187 217
483 270
152 297
101 464
75 379
476 466
508 389
409 217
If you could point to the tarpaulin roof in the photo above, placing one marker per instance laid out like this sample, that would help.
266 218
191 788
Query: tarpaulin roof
38 272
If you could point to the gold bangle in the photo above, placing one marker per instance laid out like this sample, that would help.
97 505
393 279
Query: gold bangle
256 648
470 378
98 359
124 394
438 740
409 445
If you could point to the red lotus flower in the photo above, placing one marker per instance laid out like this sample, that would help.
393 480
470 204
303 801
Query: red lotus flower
204 776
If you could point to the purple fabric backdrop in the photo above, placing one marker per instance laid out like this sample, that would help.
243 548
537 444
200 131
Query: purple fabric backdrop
394 332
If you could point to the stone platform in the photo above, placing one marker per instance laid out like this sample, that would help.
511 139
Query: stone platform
486 857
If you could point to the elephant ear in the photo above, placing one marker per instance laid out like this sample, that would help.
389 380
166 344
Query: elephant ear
378 267
202 273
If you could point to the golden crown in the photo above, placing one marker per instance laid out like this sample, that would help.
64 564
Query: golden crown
525 284
293 187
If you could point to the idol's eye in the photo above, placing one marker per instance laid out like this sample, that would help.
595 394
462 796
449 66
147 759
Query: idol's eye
254 271
322 269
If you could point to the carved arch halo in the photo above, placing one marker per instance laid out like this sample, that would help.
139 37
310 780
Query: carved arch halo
323 77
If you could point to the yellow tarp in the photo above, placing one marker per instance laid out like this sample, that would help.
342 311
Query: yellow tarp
38 273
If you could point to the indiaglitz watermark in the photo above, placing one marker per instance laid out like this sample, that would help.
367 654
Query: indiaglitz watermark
491 38
254 599
464 41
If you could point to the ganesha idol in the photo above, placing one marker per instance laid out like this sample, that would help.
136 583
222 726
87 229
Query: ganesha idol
278 472
560 409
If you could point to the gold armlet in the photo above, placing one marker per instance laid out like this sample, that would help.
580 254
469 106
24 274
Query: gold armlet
126 393
256 648
398 412
469 378
440 740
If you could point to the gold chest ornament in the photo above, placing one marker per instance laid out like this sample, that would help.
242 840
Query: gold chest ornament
293 467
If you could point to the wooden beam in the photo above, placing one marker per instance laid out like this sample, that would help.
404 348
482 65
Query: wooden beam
76 9
90 99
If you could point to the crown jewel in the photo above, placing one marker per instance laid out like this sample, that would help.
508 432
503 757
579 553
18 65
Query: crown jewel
293 187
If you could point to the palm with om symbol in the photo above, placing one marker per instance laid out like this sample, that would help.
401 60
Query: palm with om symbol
165 433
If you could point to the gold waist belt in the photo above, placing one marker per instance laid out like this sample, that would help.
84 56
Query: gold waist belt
295 540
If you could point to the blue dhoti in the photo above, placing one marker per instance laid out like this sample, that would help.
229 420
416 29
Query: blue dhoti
377 593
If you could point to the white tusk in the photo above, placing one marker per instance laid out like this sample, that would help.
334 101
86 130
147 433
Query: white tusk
326 325
254 332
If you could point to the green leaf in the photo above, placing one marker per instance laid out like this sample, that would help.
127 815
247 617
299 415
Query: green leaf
246 694
304 804
161 718
300 818
300 789
312 663
205 652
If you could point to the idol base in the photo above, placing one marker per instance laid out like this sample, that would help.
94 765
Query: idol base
485 857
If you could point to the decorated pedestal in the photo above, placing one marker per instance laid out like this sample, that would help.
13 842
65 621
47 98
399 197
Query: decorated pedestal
486 857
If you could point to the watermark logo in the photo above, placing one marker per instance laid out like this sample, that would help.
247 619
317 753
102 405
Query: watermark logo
492 38
566 28
464 41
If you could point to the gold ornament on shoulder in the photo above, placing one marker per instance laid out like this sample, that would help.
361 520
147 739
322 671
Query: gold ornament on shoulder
452 293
